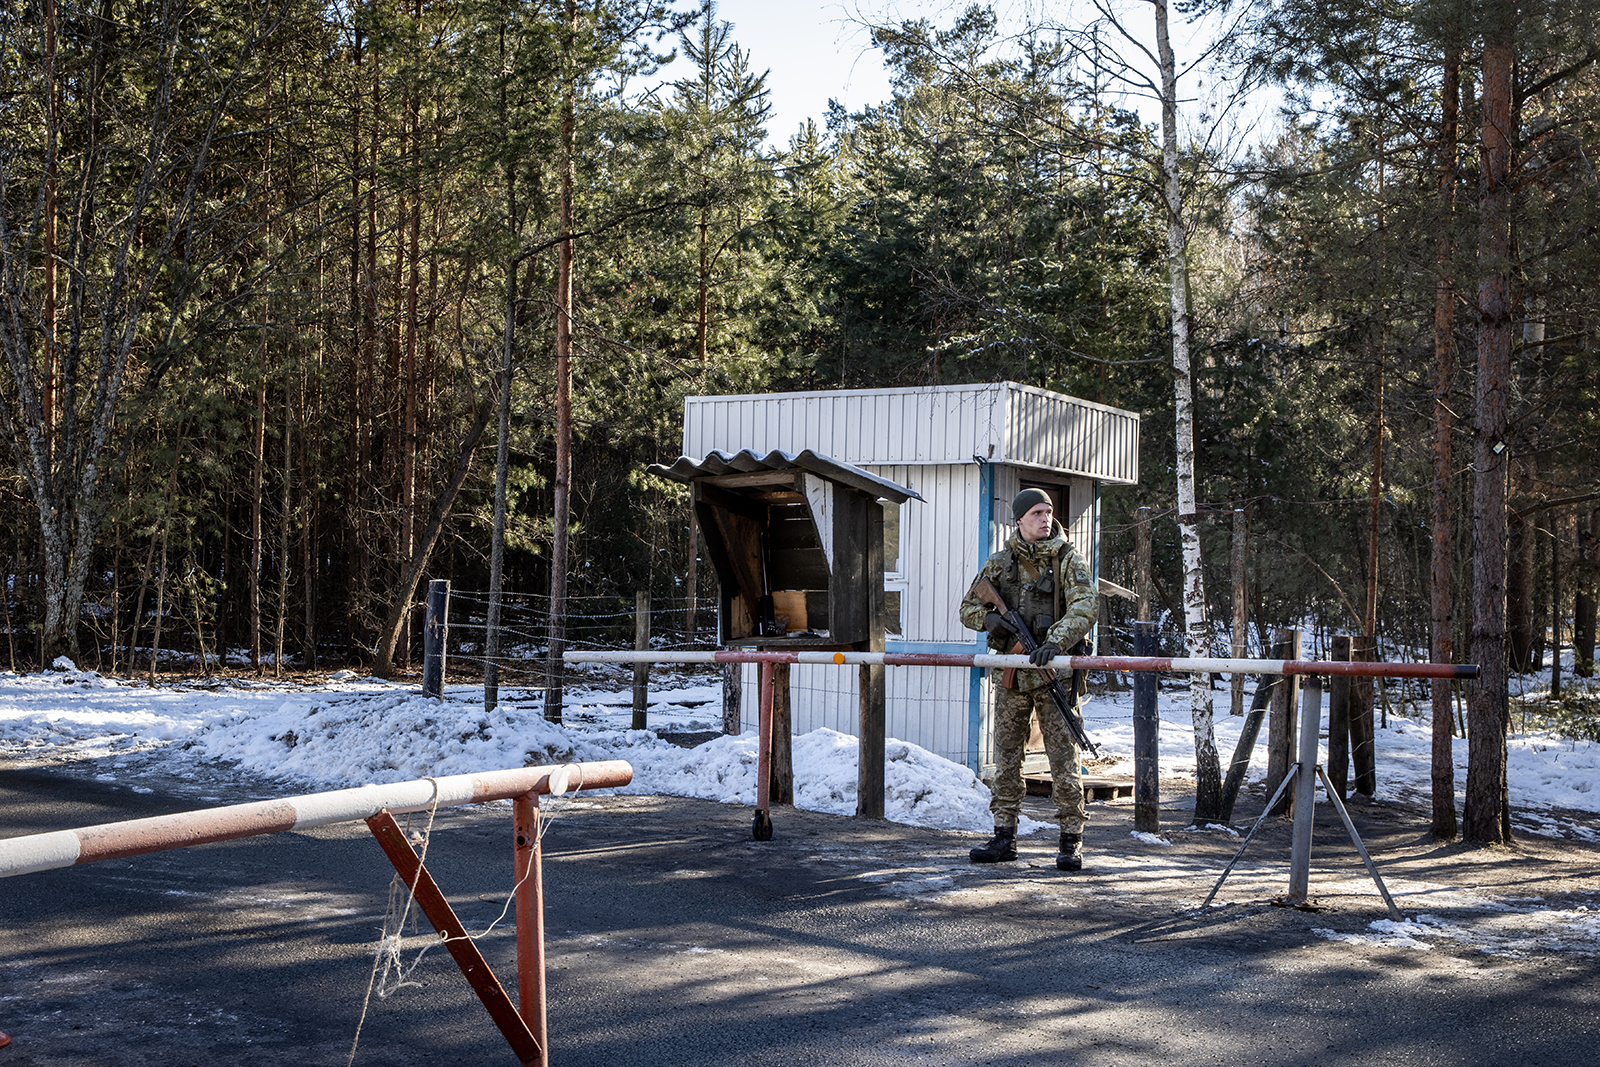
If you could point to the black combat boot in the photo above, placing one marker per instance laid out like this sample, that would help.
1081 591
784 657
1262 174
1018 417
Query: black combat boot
1070 858
1002 846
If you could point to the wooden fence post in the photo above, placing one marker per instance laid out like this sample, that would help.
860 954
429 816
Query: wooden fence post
1281 722
1146 736
732 696
641 671
781 775
872 710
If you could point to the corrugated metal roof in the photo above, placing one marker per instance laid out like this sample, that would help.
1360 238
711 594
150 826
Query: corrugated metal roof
1000 422
685 469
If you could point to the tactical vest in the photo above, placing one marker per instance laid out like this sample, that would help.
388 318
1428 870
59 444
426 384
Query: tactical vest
1033 594
1037 595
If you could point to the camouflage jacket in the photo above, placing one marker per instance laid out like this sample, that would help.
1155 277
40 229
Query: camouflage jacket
1053 562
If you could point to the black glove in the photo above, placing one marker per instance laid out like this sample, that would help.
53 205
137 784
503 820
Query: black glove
995 624
1044 654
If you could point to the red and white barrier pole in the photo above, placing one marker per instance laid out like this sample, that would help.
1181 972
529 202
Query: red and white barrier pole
1175 665
90 844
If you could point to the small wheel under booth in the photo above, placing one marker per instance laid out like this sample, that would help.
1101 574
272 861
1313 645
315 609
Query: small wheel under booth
797 544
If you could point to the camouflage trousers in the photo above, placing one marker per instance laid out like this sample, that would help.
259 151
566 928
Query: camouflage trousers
1013 709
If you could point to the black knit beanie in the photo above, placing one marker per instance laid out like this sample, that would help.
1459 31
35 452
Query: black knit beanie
1027 500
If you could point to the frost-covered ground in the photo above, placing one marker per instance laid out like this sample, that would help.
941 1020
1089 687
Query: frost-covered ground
351 730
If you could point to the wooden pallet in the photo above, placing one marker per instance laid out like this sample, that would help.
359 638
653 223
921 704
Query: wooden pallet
1093 788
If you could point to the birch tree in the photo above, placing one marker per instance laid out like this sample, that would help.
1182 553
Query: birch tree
1197 631
1158 78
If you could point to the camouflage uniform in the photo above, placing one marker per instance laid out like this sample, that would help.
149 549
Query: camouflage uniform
1027 576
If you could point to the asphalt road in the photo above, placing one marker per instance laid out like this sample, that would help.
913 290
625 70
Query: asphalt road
673 938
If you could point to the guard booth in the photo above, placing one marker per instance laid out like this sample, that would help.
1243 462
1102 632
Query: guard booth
796 540
965 450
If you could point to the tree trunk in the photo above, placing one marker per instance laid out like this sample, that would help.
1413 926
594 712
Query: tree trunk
1364 691
1583 599
351 514
1556 522
562 488
282 621
1208 765
1241 601
138 608
502 466
400 608
1141 563
258 464
691 582
409 377
161 574
1520 547
1486 817
1444 356
1539 621
1369 623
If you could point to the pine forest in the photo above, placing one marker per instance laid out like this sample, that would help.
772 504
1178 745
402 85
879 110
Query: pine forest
282 280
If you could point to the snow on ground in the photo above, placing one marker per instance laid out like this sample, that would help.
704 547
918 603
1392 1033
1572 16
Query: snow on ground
352 730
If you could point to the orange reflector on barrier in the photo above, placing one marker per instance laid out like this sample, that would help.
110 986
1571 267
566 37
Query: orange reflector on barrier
838 657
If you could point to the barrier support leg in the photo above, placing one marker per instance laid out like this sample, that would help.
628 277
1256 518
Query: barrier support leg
1355 839
1282 787
462 948
527 870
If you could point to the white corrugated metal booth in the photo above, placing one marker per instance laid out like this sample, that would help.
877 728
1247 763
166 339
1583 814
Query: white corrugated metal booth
966 450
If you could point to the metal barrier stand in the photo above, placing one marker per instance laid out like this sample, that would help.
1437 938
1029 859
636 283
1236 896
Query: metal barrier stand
524 1025
1303 775
527 1036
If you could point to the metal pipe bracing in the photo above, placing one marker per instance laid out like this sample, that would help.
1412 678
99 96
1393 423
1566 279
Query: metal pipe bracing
89 844
1176 665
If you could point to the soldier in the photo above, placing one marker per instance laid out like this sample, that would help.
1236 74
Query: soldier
1042 577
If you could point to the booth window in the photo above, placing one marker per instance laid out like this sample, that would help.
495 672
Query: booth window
894 580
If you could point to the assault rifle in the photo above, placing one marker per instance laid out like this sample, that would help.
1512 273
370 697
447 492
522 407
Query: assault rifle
990 597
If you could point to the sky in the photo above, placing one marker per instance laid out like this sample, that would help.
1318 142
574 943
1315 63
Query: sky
817 50
813 51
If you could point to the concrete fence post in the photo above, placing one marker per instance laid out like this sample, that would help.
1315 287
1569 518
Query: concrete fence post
434 635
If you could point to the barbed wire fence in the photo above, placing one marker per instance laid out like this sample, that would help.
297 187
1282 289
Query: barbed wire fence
611 622
590 623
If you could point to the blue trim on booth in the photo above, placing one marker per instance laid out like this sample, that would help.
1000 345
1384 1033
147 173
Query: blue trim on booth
975 686
1094 631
